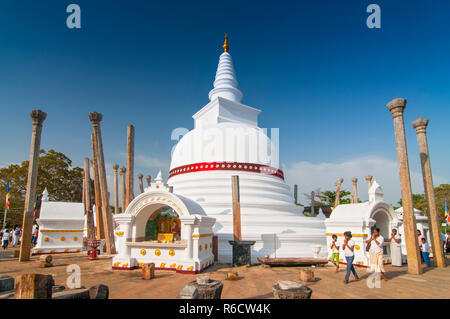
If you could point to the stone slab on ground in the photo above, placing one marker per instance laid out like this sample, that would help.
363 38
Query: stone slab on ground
81 293
6 283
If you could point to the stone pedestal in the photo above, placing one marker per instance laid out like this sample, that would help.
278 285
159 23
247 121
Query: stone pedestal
242 252
291 290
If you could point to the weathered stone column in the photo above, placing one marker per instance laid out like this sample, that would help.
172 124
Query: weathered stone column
38 117
123 173
433 218
237 235
396 107
130 164
296 194
97 192
338 184
148 178
141 184
88 202
369 181
116 188
313 204
355 190
106 210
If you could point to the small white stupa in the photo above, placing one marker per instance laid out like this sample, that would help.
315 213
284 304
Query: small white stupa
61 226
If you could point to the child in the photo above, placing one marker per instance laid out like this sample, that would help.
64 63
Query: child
335 252
426 251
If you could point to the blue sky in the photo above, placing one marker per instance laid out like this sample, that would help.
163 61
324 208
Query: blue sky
313 67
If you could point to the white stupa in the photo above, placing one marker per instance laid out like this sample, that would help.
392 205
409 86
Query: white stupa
227 141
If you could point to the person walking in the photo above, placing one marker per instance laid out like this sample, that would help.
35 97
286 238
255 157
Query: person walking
5 238
335 252
348 247
419 237
426 252
376 252
396 248
447 242
15 236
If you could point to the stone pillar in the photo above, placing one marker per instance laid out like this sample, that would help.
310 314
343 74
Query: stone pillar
141 183
433 218
88 202
116 189
355 190
97 192
148 178
130 164
296 194
38 118
236 208
123 173
106 211
313 204
338 184
396 107
369 181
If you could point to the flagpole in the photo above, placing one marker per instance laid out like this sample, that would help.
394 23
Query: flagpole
6 203
4 217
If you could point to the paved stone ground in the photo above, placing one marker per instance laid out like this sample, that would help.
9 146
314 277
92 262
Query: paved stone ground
254 282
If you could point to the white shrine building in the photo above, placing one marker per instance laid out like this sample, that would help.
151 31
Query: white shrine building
362 218
225 141
61 227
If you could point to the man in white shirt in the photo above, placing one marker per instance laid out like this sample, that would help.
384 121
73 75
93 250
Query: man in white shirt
348 247
376 252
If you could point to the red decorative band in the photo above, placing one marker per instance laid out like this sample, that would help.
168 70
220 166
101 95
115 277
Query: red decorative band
227 166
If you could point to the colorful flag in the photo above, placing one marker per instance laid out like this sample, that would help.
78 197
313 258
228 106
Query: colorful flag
447 217
7 196
34 210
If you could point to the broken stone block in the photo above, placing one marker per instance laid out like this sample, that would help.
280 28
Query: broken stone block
189 292
232 275
148 271
291 290
99 292
207 288
45 261
72 294
34 286
307 275
6 283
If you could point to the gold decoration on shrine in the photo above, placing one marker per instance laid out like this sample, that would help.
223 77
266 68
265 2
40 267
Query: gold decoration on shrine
225 44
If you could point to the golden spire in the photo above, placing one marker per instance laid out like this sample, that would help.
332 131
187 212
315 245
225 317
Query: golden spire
225 44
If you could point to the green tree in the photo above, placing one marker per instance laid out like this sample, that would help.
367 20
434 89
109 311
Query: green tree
55 172
441 194
331 197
